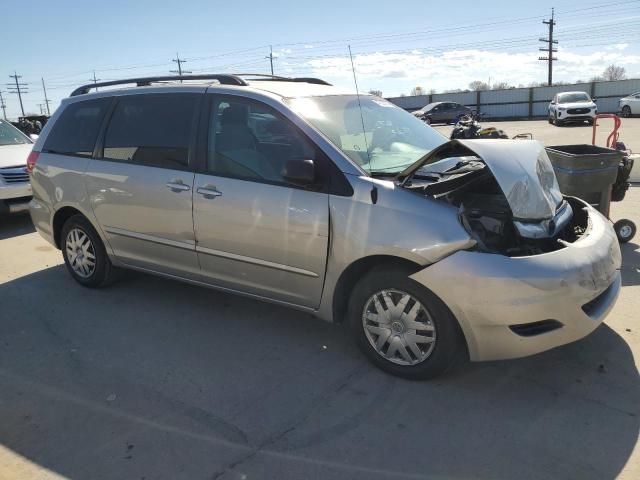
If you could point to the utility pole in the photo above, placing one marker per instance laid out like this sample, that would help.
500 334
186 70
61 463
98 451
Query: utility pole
3 106
179 61
46 100
550 47
40 106
94 80
270 57
18 88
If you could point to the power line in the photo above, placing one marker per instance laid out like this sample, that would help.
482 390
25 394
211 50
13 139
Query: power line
19 88
550 49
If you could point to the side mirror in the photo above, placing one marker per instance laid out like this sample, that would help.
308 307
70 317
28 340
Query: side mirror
300 172
594 100
33 136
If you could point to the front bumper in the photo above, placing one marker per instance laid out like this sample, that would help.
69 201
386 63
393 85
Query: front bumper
575 287
14 198
573 117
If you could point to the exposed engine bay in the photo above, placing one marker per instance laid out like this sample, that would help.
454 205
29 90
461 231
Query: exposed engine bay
457 175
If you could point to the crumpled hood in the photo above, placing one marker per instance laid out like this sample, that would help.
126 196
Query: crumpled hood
525 175
14 155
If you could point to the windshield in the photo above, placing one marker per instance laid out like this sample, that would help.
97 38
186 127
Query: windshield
9 135
573 98
390 141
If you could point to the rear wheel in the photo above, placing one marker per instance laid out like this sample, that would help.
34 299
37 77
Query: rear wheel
626 111
402 327
84 254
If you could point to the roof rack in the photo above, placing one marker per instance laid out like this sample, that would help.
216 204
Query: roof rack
225 79
276 78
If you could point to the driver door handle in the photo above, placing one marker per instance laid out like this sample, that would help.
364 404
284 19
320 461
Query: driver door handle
209 192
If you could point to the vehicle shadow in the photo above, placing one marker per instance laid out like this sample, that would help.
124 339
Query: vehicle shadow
152 378
630 264
15 225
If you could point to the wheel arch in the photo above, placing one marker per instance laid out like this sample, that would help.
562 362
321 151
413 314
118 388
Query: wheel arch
356 270
63 214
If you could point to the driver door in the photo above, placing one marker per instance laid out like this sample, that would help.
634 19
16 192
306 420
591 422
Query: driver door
256 232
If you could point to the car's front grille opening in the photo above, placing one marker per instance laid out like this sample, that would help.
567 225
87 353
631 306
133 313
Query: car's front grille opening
577 111
535 328
591 307
14 174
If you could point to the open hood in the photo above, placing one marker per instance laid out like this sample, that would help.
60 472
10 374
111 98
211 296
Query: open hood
522 171
525 174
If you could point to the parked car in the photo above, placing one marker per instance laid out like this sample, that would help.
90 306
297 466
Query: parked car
629 105
15 190
568 107
343 206
442 112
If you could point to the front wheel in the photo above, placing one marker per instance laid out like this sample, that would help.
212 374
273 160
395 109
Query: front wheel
626 111
557 122
402 327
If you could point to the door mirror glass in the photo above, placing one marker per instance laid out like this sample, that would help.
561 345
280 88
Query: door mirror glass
299 172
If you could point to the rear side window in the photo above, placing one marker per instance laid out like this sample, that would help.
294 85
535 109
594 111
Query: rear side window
153 130
76 130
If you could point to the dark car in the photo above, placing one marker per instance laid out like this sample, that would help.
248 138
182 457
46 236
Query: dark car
442 112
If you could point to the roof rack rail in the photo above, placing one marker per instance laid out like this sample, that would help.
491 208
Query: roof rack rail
225 79
276 78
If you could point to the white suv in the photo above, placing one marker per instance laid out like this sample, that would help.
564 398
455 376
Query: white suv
630 105
572 107
15 189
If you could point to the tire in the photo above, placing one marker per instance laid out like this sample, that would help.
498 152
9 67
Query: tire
434 356
626 111
625 230
80 242
556 122
550 120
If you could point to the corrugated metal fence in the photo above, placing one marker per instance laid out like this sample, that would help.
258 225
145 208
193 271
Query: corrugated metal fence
525 102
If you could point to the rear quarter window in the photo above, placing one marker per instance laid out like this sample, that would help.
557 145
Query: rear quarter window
76 130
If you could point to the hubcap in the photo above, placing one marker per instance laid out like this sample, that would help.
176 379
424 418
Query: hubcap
80 252
625 231
398 327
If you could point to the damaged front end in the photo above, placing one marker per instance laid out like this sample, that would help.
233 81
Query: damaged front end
506 193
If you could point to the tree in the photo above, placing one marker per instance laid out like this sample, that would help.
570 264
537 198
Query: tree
478 85
417 91
500 86
614 72
377 93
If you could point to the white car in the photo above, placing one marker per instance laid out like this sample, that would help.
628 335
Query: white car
572 107
15 189
629 105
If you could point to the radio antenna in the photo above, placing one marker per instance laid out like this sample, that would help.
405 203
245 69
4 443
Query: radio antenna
355 81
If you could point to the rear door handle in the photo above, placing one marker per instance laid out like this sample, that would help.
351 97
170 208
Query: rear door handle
178 186
209 191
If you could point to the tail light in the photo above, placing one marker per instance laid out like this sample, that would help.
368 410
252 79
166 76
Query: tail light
32 159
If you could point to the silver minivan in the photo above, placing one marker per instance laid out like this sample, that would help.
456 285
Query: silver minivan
332 202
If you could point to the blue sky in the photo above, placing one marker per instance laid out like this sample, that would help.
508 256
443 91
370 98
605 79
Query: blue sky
397 45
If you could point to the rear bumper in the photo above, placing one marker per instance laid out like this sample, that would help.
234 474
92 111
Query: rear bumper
567 293
41 216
